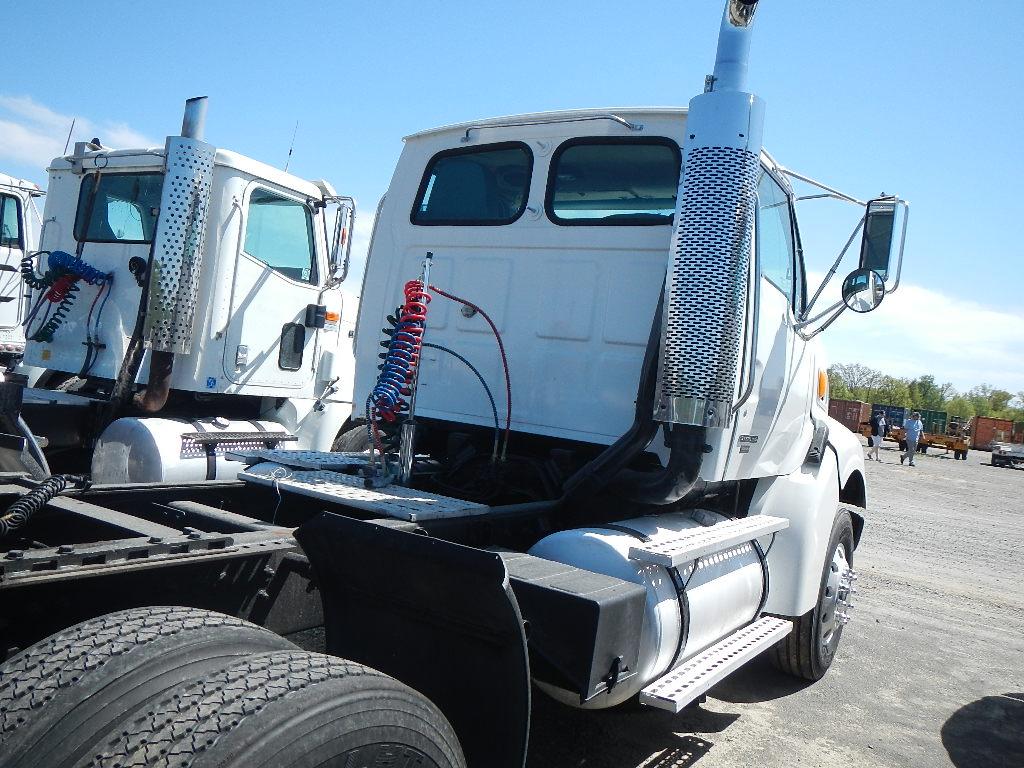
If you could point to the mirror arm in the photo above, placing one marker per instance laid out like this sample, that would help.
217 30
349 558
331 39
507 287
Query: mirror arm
826 324
832 191
809 321
835 267
903 241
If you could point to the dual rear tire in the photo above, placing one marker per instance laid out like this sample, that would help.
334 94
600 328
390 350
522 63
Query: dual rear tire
156 686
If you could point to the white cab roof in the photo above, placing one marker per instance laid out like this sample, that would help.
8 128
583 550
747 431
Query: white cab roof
154 156
9 183
630 114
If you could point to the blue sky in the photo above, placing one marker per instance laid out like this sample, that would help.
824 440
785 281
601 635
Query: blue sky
866 95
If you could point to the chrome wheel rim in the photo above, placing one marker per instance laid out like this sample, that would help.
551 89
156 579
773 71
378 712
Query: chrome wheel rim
836 599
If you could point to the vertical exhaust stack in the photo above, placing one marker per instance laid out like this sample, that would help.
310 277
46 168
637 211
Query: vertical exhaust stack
707 281
177 253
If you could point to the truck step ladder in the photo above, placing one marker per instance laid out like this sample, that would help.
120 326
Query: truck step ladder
696 676
696 542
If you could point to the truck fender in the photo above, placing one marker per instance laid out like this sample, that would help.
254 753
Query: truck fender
849 455
808 498
440 617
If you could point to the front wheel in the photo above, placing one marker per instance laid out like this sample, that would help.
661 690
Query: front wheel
809 649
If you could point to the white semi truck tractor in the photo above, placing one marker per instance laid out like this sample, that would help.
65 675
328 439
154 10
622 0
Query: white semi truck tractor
184 301
19 234
600 467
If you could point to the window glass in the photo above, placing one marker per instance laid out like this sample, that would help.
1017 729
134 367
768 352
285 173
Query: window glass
10 222
603 182
123 210
775 234
279 232
485 185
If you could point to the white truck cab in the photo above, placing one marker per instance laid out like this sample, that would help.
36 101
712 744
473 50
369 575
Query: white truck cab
558 225
228 271
19 234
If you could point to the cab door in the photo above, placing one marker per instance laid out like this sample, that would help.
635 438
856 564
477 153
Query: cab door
12 248
772 425
270 340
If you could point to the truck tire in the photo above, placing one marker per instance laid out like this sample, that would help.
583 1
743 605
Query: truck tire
284 709
809 649
354 440
61 694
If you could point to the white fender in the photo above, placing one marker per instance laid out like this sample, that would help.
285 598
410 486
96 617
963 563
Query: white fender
808 499
849 452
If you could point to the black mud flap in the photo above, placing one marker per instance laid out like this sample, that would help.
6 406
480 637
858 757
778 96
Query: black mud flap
438 616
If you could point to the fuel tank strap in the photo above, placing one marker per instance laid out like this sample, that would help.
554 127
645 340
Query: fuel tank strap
643 537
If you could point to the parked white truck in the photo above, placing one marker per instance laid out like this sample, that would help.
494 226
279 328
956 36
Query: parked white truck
19 234
208 281
601 466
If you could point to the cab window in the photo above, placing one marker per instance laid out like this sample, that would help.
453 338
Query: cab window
118 208
613 182
775 250
481 186
10 222
279 232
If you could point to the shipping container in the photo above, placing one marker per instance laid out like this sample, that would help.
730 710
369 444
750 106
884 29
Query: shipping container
986 430
850 413
1018 432
934 421
894 414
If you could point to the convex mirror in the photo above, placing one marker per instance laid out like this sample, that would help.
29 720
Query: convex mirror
863 290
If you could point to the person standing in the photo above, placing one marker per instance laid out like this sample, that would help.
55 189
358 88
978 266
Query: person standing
878 426
913 428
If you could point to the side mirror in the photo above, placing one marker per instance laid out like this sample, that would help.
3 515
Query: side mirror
863 290
876 246
341 242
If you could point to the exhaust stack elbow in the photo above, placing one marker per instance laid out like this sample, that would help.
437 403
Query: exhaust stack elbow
731 62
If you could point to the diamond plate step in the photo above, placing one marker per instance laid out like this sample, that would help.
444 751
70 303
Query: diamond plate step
684 684
695 542
329 460
391 501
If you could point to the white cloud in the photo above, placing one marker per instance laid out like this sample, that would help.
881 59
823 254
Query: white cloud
33 134
919 331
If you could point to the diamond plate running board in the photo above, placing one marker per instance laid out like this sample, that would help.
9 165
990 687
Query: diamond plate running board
696 676
696 542
391 501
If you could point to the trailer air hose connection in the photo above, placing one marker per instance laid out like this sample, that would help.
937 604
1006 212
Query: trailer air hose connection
387 403
487 390
58 288
19 513
504 361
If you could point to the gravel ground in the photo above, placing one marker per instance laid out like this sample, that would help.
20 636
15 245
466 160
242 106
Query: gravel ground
930 672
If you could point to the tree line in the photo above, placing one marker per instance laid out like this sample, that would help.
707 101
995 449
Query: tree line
860 382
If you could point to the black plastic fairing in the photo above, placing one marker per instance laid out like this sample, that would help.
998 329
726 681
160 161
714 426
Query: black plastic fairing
438 616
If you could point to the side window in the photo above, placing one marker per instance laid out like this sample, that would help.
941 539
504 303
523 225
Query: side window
279 232
120 208
604 181
10 222
486 185
775 235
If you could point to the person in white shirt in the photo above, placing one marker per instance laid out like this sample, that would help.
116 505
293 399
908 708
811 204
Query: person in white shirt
913 428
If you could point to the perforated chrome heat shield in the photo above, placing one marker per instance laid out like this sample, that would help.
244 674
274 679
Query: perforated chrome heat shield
706 287
178 246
